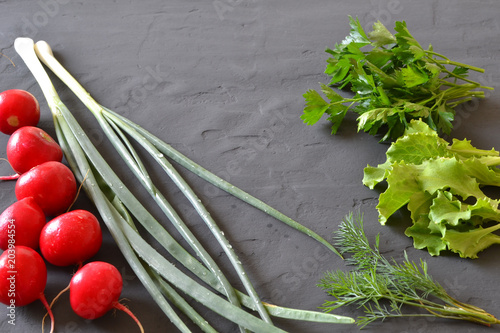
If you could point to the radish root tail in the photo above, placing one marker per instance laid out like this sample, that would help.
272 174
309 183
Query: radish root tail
49 312
49 309
120 306
11 177
3 55
78 192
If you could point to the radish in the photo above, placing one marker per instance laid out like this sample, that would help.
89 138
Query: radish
30 146
18 108
71 238
95 289
51 184
21 224
23 276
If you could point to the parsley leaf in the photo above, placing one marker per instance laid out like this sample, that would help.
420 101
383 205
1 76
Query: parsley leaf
316 107
393 80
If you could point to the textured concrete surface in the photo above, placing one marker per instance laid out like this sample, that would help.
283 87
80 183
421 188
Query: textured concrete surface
222 81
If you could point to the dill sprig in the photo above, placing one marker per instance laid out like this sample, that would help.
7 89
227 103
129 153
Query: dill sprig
383 286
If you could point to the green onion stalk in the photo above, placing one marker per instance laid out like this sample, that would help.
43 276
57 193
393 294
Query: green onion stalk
120 210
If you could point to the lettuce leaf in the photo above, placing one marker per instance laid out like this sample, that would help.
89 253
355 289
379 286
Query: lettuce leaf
441 185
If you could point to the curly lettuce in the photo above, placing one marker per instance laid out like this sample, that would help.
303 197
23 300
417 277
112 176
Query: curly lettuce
442 186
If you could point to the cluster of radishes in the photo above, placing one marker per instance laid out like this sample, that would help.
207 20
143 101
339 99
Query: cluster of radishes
45 191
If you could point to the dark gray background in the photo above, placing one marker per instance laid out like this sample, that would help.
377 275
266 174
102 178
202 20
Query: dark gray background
222 81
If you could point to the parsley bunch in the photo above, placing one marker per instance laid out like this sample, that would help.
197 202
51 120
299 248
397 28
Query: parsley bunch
394 80
382 287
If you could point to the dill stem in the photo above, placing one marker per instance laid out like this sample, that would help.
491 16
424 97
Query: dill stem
459 310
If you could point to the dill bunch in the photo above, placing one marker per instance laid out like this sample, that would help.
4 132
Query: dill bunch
383 286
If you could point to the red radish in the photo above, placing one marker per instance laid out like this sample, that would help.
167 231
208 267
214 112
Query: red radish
71 238
95 289
18 108
51 184
21 224
30 146
23 276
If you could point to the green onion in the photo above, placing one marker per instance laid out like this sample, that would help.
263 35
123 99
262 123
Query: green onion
119 207
215 180
129 156
144 137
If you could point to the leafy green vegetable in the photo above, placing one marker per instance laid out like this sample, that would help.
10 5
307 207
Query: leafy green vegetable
393 81
377 278
442 186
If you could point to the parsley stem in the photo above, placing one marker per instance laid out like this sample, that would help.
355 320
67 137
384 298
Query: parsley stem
347 100
472 85
451 74
447 61
380 72
456 103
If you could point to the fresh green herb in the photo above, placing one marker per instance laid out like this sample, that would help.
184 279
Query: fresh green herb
393 81
442 186
385 288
